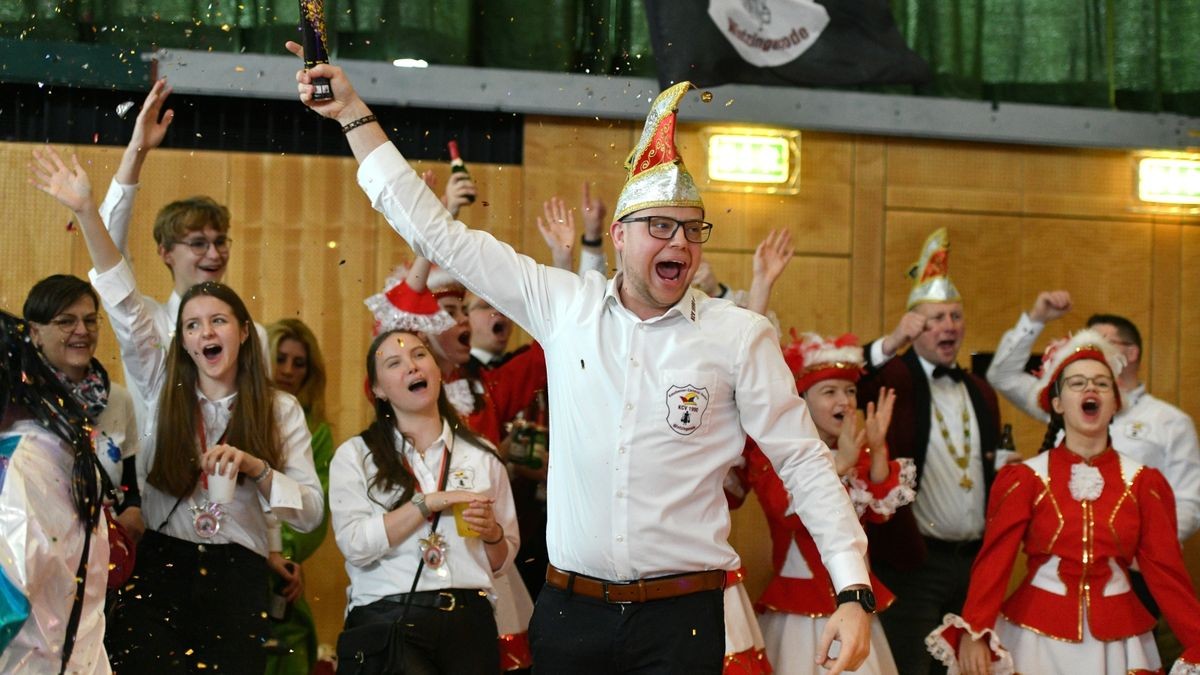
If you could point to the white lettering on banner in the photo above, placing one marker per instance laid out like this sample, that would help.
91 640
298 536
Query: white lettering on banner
769 33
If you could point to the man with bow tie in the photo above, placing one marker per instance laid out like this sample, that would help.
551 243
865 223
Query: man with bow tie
948 421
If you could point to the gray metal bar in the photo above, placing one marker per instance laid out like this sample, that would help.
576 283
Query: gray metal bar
612 97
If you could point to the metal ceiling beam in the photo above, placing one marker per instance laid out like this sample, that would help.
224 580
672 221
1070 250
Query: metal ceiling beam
614 97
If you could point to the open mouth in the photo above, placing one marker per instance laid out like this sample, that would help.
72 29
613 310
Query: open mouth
946 344
212 352
499 327
418 385
669 271
464 339
839 416
79 344
1091 406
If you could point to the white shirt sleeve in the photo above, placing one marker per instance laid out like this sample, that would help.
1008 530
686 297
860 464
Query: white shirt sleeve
876 355
532 295
1007 372
360 533
296 497
775 416
116 211
142 352
505 512
589 261
1182 471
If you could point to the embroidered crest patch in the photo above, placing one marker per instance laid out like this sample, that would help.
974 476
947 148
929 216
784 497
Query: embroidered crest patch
1137 430
685 408
461 479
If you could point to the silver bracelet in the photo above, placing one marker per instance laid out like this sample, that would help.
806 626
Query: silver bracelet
262 476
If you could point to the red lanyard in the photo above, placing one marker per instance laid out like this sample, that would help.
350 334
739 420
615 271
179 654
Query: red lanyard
443 471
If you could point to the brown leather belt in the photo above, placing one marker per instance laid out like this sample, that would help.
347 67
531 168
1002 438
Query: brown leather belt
642 590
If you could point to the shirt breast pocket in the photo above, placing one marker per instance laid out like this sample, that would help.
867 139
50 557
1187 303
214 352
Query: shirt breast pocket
689 397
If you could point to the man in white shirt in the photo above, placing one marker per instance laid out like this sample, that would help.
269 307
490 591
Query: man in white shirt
192 234
947 421
654 388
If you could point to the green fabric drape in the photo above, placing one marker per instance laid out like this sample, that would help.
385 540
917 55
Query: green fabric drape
1099 53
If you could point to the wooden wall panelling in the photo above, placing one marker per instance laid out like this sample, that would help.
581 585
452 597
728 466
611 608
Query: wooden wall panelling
1079 182
867 238
1161 338
954 176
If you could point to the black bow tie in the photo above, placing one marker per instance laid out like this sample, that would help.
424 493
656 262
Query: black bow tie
955 373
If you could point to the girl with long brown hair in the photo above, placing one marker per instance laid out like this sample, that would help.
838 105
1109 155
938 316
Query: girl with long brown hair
388 488
198 596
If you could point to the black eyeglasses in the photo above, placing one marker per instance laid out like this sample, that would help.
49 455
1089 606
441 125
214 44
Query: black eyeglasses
199 245
664 227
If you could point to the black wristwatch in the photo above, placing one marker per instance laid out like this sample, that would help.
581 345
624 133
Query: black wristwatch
598 241
863 596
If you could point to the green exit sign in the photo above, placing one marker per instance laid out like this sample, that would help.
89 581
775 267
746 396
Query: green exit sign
749 159
1169 180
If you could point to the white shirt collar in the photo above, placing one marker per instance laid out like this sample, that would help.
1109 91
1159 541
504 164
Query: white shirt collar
686 307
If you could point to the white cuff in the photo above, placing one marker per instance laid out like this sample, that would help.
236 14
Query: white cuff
941 650
114 284
285 492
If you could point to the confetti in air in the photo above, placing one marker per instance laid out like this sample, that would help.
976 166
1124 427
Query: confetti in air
124 108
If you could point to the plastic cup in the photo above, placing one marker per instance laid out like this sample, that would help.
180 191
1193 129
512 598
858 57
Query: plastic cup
464 530
221 485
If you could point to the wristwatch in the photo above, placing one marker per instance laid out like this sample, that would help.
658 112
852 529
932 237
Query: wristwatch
863 596
418 501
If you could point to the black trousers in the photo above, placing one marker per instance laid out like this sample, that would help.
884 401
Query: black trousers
576 635
461 641
190 608
923 596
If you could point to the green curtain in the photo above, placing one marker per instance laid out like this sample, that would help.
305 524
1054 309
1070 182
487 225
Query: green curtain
1119 54
1099 53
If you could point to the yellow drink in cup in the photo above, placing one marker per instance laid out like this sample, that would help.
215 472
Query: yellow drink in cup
464 530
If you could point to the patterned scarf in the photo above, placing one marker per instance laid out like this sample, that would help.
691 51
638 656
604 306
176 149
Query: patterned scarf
91 392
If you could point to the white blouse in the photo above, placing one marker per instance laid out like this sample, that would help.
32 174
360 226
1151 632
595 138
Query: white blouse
295 497
377 569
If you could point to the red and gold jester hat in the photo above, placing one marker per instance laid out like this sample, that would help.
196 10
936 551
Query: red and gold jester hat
931 273
657 176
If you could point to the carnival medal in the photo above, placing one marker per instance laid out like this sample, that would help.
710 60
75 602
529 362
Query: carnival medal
433 550
206 519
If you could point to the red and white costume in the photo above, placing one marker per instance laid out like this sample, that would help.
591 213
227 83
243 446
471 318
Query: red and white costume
1082 524
799 599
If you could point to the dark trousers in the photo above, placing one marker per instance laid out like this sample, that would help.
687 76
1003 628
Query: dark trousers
576 635
923 596
190 608
462 641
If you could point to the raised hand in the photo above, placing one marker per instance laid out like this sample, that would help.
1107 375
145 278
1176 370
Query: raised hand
345 106
558 230
460 191
909 328
70 185
594 211
879 417
1050 306
772 255
849 444
705 280
148 130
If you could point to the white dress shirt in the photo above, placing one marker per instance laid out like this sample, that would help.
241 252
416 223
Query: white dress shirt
943 509
1146 429
117 433
115 211
377 569
649 415
295 490
41 540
